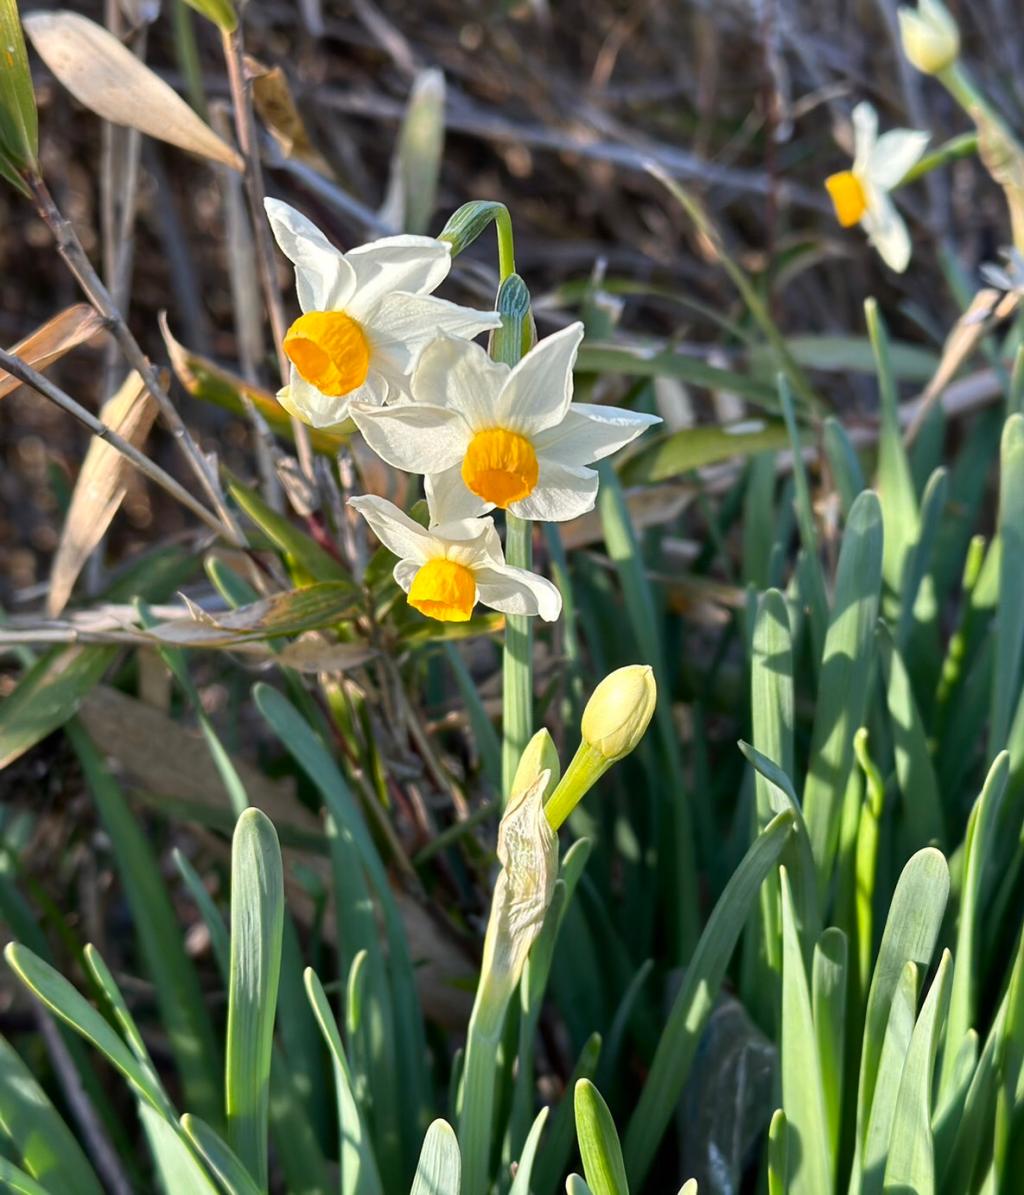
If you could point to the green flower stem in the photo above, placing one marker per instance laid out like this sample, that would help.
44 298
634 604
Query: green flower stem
506 244
585 768
962 146
517 666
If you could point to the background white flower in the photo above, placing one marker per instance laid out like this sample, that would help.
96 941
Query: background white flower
861 194
486 435
447 569
366 315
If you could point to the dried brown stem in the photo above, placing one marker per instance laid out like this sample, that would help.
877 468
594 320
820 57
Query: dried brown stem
245 132
74 256
42 385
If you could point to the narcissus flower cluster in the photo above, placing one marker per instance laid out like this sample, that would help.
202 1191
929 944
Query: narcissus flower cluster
375 346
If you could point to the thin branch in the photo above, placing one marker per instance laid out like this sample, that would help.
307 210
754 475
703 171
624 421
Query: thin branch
42 385
245 131
103 1154
74 255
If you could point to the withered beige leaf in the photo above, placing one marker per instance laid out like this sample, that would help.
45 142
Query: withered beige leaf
528 852
989 306
287 613
108 79
100 488
314 653
276 106
48 343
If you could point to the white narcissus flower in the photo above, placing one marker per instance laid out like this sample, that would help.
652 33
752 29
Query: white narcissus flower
486 435
366 315
861 194
447 569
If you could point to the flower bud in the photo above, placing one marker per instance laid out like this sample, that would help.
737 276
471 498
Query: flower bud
539 755
619 711
931 39
614 721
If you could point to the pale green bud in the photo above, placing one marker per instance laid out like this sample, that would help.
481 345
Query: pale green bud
620 710
931 39
614 721
539 756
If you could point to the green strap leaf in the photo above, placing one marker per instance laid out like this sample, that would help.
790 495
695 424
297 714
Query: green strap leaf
599 1142
257 917
359 1174
911 930
19 131
439 1171
803 1091
222 1160
48 695
695 999
844 679
911 1161
46 1146
66 1002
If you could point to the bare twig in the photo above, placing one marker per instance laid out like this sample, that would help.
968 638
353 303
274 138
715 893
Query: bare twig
245 130
77 261
42 385
103 1154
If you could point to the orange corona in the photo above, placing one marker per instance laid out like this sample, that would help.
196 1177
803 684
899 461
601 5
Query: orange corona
445 590
330 351
500 466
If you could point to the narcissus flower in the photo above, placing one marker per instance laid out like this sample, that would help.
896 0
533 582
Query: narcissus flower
447 569
931 39
487 435
366 316
861 195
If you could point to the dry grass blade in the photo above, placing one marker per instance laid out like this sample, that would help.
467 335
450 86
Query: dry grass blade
988 307
109 80
100 488
48 343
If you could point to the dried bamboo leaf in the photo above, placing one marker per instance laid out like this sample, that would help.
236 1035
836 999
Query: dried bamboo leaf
48 343
273 100
100 488
108 79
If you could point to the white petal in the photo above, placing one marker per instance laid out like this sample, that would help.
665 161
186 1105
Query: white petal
517 591
539 389
865 131
401 325
405 573
562 492
415 437
894 154
590 432
887 232
408 263
302 399
324 281
395 530
448 496
472 542
459 374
